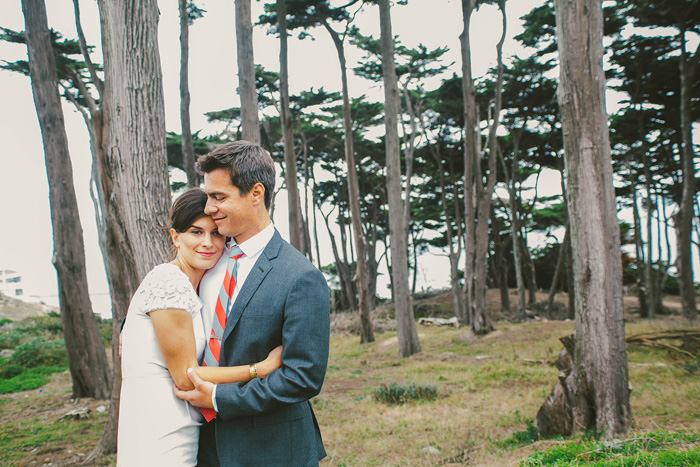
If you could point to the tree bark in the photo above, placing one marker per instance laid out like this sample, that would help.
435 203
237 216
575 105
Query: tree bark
405 322
296 237
250 124
87 359
361 281
639 261
600 393
470 158
187 144
557 273
684 218
132 172
481 323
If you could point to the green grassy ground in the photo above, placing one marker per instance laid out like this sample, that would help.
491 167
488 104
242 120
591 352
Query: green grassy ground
488 392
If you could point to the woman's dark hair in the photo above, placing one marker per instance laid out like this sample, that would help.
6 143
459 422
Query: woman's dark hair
187 208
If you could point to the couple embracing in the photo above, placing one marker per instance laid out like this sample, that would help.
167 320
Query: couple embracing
238 321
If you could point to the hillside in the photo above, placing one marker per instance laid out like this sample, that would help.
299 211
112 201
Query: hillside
16 310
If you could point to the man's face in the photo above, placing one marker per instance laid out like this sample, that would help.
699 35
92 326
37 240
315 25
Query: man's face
231 211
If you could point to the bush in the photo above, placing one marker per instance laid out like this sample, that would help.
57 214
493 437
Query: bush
397 394
40 352
43 325
10 370
11 339
29 379
4 321
104 326
521 438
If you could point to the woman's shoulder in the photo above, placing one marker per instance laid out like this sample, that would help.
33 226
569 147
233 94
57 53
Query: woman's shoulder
166 286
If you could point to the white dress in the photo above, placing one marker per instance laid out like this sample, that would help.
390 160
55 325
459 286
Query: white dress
155 427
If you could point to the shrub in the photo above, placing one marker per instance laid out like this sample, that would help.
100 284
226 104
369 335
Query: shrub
11 339
521 438
398 393
10 370
29 379
4 321
43 325
40 352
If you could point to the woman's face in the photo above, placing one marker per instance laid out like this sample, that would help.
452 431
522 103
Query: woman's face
201 245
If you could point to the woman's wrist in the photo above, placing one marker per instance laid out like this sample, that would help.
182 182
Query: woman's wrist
263 369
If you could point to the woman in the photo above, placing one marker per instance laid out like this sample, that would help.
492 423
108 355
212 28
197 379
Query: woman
163 336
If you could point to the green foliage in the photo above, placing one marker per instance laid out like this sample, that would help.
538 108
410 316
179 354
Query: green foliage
40 352
649 450
400 393
28 379
521 438
104 326
11 339
4 321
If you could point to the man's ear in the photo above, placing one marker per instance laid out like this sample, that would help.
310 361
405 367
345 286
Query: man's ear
257 193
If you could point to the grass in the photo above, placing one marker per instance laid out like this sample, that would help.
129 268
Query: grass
489 390
645 450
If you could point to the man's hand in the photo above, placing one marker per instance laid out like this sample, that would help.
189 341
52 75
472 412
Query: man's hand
200 396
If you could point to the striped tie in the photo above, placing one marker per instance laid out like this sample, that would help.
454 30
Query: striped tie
223 303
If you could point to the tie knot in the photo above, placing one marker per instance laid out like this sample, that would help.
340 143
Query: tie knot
236 252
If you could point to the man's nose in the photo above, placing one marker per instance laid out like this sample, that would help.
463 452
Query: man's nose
209 208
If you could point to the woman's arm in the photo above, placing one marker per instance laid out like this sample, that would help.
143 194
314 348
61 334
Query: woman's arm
241 374
175 336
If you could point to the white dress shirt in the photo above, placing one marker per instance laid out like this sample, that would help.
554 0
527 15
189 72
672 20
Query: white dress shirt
210 285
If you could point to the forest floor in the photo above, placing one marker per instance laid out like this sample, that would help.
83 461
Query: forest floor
489 391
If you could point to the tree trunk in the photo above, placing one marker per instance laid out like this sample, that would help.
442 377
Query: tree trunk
649 264
187 145
132 179
530 272
481 323
405 322
296 237
600 391
470 158
639 261
87 359
515 225
250 125
557 273
366 334
684 218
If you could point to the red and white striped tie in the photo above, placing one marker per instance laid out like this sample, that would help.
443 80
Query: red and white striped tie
223 303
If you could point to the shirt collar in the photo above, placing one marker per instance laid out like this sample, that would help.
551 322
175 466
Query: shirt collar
256 243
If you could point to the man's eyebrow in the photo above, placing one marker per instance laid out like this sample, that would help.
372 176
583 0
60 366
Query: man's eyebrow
216 193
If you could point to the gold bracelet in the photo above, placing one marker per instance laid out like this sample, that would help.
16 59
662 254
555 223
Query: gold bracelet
253 371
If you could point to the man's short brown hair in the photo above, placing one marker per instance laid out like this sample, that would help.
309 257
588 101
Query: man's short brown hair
247 164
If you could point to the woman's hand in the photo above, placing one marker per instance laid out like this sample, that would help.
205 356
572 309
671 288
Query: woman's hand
271 363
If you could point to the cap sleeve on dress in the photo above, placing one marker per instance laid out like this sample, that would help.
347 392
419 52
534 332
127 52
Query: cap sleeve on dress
168 287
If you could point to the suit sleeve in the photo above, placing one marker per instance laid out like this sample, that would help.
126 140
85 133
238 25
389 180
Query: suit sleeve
305 337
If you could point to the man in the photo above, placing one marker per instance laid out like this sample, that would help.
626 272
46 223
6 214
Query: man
277 297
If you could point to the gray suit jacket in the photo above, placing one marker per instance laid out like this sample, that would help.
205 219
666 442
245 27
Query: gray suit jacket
270 421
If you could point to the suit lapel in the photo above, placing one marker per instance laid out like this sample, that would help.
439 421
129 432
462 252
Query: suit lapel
261 268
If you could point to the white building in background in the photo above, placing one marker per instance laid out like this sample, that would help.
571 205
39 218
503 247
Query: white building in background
11 283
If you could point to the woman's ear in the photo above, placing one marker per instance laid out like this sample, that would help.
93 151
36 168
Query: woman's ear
175 237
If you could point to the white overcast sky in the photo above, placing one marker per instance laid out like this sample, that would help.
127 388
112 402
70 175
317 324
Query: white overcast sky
26 235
